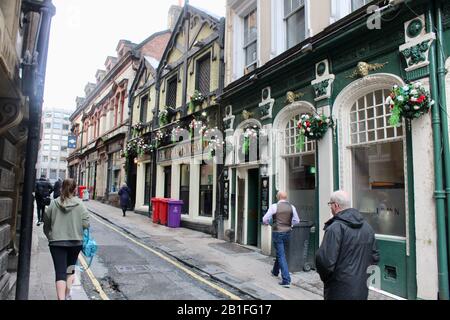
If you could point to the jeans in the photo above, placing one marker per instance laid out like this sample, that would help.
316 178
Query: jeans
40 211
280 241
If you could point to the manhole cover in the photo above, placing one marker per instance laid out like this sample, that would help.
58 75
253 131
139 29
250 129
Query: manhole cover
133 269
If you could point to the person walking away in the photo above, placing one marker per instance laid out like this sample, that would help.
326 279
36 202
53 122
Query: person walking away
284 216
125 196
347 250
57 189
64 224
43 189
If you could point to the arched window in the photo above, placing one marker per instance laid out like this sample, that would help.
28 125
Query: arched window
290 139
377 164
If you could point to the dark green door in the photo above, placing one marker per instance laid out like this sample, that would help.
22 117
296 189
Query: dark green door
252 215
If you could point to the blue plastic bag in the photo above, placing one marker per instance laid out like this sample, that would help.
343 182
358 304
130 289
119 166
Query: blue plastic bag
89 246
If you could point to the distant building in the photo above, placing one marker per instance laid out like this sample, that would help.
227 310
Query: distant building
53 151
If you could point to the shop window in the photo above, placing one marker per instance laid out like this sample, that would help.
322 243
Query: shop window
206 190
184 187
251 41
204 75
171 93
148 183
377 165
114 166
294 15
290 138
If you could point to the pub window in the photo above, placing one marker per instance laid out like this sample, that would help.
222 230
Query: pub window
378 165
203 75
251 40
206 190
144 108
294 16
171 93
301 170
184 187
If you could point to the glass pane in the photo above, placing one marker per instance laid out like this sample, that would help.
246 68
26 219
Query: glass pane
302 183
379 110
380 123
380 134
370 113
362 115
371 124
362 126
371 135
250 27
353 128
353 117
296 28
390 133
379 187
379 97
362 137
361 103
250 54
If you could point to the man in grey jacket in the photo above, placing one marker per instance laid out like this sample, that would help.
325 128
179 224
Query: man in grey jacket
347 250
284 216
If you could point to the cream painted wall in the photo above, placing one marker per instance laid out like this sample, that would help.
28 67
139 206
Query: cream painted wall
426 231
264 27
140 184
320 15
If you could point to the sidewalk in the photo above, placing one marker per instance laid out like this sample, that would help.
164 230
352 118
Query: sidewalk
238 266
42 274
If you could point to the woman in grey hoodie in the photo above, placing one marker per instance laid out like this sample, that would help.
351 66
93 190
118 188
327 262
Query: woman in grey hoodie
64 223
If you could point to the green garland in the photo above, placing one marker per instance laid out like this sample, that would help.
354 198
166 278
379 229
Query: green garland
313 128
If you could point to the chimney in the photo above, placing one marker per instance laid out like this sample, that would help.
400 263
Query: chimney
89 88
80 101
174 13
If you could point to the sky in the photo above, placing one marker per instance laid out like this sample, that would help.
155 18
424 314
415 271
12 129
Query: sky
85 32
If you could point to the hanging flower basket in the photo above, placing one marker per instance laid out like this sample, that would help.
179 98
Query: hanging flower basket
158 138
196 126
312 127
163 117
137 128
410 101
196 100
249 133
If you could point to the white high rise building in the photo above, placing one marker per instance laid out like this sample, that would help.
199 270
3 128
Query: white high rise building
53 151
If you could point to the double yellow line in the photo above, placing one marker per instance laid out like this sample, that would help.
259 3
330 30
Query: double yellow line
169 260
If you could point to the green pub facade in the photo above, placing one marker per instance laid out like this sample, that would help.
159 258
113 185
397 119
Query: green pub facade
396 175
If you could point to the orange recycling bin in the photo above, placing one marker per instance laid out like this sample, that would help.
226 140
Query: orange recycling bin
155 209
163 207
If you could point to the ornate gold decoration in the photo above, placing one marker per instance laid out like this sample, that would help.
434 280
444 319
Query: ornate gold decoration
247 115
363 69
291 96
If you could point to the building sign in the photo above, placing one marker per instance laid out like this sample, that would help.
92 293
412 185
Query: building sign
226 194
72 142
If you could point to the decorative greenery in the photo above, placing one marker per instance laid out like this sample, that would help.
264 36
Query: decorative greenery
158 138
312 127
176 134
164 117
137 129
417 53
410 101
249 133
196 126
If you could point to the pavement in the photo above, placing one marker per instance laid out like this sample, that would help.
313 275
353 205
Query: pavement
42 272
243 268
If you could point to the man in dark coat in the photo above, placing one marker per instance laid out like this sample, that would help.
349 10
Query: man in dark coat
57 189
347 250
125 196
43 189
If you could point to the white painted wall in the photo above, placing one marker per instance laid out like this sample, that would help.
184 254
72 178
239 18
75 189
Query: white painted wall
426 231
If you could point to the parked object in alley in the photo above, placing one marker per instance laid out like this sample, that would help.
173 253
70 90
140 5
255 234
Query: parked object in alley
64 223
155 209
297 249
284 216
347 250
43 190
174 213
125 196
163 206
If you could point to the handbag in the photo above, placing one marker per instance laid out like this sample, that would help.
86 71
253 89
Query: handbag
47 201
89 247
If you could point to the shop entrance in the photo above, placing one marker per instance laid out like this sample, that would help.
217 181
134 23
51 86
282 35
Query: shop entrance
253 208
167 182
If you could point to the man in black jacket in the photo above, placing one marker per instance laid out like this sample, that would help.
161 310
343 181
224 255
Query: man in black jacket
42 193
57 188
347 250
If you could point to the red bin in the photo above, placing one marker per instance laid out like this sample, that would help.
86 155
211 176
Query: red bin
163 207
80 191
155 209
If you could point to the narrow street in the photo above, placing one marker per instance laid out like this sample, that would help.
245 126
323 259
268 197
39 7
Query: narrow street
129 269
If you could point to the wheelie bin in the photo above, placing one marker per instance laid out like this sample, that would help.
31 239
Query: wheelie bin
163 207
174 213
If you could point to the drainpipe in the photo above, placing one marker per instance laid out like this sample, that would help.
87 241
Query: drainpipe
439 193
443 109
220 167
47 11
187 16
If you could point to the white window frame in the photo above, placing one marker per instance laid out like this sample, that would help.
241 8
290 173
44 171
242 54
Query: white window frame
340 8
241 10
279 27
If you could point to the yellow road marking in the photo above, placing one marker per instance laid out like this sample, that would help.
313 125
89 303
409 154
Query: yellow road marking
175 263
94 280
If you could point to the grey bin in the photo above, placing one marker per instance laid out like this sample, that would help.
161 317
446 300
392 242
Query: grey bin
297 248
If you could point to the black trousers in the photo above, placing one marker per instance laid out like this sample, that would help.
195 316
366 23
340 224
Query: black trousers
64 260
40 211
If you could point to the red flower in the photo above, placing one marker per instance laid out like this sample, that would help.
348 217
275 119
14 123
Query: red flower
421 99
308 124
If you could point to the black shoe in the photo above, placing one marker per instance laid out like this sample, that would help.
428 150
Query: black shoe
273 274
38 223
286 285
